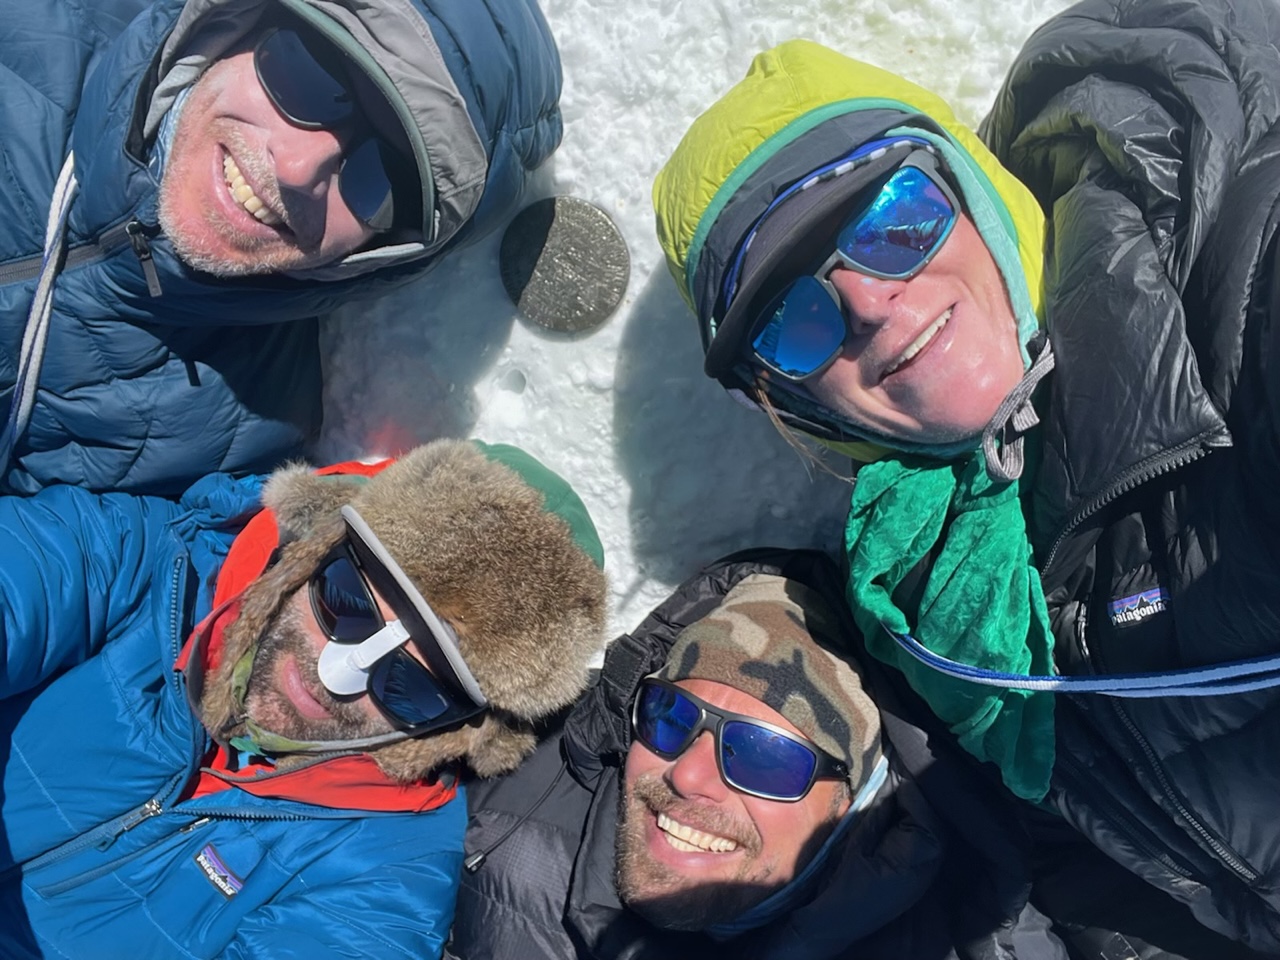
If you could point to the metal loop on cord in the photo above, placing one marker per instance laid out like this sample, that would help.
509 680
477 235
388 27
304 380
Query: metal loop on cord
1006 459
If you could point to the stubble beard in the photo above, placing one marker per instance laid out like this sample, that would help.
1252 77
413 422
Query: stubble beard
214 245
668 898
272 710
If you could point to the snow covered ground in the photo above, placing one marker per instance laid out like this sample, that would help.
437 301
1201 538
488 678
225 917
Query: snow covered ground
675 474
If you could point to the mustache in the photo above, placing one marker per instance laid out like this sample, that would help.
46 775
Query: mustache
303 220
285 637
653 792
257 170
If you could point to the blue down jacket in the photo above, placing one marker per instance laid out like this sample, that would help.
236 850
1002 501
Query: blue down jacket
146 393
97 595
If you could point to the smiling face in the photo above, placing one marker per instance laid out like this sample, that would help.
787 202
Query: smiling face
244 191
693 851
285 694
928 358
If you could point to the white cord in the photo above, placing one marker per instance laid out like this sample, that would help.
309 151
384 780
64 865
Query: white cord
36 334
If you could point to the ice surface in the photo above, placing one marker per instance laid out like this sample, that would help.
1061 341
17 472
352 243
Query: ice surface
674 472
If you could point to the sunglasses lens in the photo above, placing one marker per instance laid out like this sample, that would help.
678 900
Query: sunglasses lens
805 328
366 185
406 690
664 719
342 602
294 74
907 220
761 761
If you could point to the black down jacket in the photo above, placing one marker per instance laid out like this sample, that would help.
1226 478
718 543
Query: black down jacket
1147 130
934 871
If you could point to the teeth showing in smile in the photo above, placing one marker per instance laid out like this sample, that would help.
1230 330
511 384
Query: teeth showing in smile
920 342
688 840
243 194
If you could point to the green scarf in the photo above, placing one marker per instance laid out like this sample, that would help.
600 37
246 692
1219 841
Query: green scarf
982 603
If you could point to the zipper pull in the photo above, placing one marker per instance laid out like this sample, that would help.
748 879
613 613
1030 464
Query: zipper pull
145 812
195 824
138 233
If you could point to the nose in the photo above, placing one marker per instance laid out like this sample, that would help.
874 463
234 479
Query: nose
305 161
867 301
694 773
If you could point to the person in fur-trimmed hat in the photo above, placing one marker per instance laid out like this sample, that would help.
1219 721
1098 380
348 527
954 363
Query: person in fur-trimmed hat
289 784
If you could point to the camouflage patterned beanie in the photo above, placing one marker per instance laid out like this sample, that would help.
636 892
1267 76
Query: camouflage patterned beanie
781 642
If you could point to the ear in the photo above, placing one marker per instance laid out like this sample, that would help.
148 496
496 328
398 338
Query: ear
302 501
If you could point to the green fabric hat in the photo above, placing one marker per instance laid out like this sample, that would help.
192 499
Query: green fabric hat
558 497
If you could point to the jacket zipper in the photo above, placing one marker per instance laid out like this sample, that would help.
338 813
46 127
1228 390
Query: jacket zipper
1121 819
152 808
179 601
133 233
88 876
1225 855
100 837
1180 456
139 238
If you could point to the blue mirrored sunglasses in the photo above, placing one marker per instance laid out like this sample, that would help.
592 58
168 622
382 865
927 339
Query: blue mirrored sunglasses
754 757
892 233
308 83
399 684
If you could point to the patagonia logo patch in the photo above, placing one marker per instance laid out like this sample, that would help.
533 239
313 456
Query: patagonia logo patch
217 872
1137 608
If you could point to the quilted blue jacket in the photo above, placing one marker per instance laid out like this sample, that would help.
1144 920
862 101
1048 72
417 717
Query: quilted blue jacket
97 857
144 391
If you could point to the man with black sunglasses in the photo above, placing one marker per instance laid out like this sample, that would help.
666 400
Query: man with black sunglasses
237 726
734 786
192 182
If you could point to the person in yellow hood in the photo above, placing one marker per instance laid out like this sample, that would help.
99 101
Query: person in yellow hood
821 187
1046 424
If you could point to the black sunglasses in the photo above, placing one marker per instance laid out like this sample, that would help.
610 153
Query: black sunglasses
755 757
400 685
308 82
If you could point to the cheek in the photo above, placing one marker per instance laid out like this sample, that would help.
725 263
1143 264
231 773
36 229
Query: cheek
640 761
839 388
343 232
791 832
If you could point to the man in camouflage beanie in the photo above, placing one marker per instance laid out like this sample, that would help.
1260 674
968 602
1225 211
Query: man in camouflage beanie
741 784
713 826
724 792
774 640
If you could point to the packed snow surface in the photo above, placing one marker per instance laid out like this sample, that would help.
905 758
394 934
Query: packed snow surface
674 472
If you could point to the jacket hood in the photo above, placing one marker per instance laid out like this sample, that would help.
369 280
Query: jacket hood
801 106
475 132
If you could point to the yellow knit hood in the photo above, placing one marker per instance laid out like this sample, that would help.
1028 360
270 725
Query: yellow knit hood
794 103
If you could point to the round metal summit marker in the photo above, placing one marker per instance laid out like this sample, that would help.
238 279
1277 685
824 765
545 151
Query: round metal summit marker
564 264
